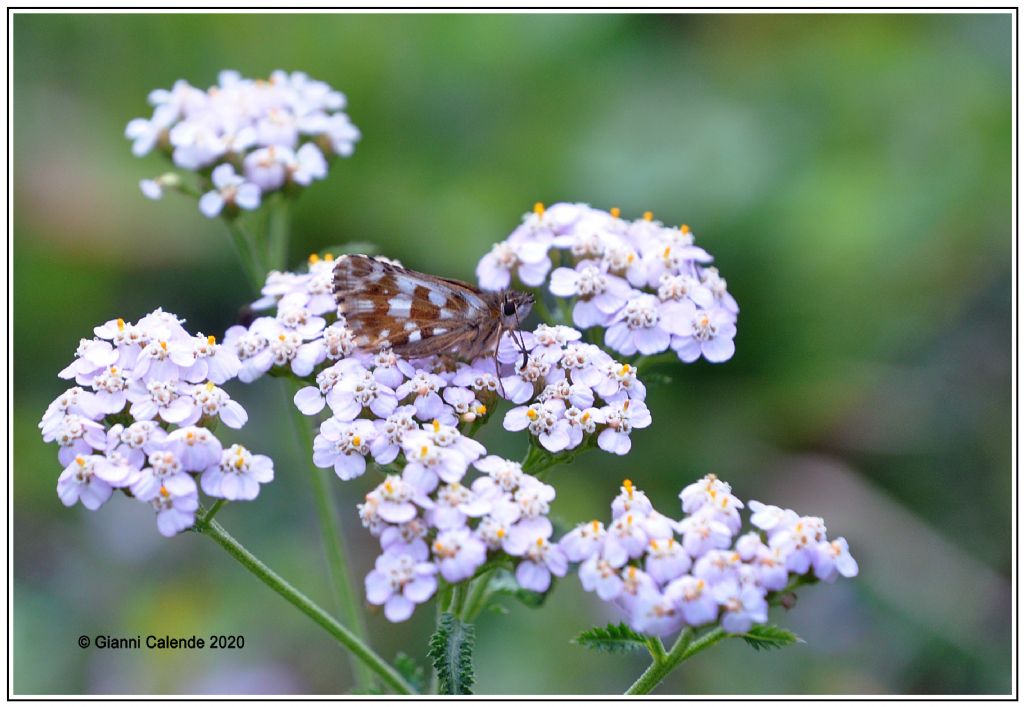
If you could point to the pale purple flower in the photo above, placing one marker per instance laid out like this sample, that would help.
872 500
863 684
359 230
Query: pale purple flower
175 504
602 577
423 386
164 469
458 553
211 402
703 531
541 559
396 499
646 325
666 560
195 447
708 333
76 436
344 446
237 474
427 462
833 559
544 420
655 614
229 190
213 362
159 398
399 582
695 599
621 418
584 541
358 390
390 433
73 401
79 482
742 606
599 294
455 504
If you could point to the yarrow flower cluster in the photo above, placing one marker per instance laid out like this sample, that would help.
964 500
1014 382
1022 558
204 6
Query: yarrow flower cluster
140 418
430 523
666 574
647 285
251 137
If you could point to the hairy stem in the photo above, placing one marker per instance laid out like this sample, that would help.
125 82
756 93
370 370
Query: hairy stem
359 650
333 541
684 647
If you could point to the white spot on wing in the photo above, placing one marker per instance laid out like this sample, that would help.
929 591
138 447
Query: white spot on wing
407 285
399 306
414 337
437 298
439 330
446 314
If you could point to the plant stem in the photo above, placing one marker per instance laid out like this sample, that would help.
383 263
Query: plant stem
278 226
359 650
254 271
478 593
208 516
684 647
333 543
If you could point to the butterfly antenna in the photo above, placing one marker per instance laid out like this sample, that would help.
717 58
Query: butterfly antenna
522 342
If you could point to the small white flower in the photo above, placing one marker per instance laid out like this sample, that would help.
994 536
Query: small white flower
229 190
237 474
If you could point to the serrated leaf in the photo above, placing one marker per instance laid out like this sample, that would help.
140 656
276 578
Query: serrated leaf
412 671
451 650
504 582
767 637
612 638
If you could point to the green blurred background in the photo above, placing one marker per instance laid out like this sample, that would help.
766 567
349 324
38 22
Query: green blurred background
851 174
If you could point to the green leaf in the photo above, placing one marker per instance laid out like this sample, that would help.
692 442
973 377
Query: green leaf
412 671
451 650
612 639
504 583
766 637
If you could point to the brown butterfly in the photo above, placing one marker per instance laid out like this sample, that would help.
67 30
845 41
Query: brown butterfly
418 315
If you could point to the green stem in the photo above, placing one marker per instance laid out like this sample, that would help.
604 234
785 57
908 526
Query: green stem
458 599
278 226
208 516
254 271
684 647
333 542
478 593
656 648
359 650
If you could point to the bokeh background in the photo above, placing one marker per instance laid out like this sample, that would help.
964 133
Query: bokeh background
851 174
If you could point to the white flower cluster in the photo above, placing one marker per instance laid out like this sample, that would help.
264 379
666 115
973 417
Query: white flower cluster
139 419
574 391
646 284
430 523
665 574
257 136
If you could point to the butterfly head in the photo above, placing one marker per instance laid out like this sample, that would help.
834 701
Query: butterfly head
515 307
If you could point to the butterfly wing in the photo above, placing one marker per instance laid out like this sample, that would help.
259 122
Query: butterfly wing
416 314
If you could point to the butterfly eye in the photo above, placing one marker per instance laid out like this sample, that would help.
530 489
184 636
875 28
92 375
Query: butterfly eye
509 309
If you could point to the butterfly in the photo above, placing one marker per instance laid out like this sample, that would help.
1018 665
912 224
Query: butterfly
419 315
